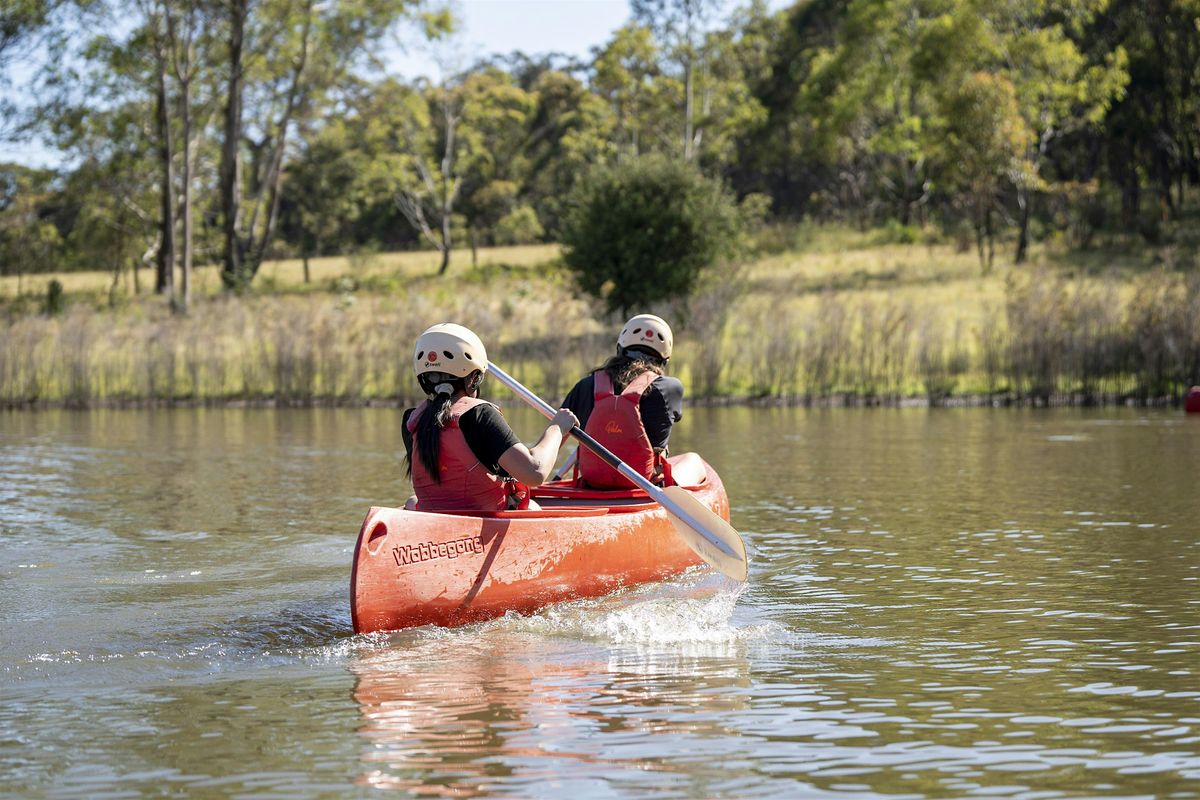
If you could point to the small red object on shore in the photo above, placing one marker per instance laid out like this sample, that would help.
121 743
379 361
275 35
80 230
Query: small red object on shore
1192 404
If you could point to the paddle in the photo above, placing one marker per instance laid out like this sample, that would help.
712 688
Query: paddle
712 538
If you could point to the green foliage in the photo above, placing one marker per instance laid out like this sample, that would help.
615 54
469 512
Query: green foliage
997 119
645 230
30 241
754 209
519 226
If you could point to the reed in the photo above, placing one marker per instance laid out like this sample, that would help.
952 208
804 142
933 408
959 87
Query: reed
868 325
281 349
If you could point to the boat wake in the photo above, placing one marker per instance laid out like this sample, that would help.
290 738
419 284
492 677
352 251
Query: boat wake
671 613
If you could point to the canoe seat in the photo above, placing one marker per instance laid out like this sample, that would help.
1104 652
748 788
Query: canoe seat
687 470
528 513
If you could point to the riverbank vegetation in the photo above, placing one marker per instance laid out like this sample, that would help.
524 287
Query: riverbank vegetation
836 317
940 201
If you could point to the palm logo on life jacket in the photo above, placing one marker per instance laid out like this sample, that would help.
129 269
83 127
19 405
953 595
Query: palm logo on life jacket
616 422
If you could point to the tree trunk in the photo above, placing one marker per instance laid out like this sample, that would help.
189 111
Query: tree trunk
688 111
231 272
186 275
979 248
307 276
445 239
164 282
991 240
1024 202
256 249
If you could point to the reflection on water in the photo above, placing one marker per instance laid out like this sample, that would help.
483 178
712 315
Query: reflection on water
549 705
942 604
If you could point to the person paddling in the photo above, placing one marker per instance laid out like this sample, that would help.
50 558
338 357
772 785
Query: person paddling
629 405
461 453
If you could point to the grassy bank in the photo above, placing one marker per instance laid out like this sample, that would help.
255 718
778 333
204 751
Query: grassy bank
833 315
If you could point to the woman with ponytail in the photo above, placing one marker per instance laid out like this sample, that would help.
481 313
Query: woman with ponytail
629 405
461 453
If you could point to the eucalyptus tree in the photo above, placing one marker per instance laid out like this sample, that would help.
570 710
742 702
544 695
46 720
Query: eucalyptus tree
457 155
624 73
1057 90
1150 137
570 130
24 24
283 64
122 95
20 21
430 174
783 155
986 143
728 107
29 242
189 49
871 95
324 193
682 27
113 190
496 114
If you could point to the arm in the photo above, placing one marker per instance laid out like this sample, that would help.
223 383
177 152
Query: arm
532 465
661 407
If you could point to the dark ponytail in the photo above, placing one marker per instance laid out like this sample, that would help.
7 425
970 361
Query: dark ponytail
427 438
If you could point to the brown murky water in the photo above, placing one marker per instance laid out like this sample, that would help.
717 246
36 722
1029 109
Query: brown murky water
942 603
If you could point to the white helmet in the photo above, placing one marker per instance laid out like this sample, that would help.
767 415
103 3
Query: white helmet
449 348
647 330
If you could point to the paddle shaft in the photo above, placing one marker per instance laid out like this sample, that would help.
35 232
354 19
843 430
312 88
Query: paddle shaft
609 458
570 462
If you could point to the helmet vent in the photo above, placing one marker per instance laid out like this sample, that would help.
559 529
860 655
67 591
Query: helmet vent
468 356
448 354
420 355
637 330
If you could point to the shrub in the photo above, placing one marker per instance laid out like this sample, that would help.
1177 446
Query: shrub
519 226
645 230
55 302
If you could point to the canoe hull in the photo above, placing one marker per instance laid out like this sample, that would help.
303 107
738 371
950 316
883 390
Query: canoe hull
413 568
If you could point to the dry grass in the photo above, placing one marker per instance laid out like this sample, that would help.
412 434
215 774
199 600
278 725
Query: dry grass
874 322
288 274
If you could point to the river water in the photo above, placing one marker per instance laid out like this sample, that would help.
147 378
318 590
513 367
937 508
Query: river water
942 603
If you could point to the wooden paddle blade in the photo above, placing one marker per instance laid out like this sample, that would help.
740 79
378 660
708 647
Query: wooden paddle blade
735 566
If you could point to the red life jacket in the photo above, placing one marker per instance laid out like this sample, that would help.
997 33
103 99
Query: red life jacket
616 422
466 484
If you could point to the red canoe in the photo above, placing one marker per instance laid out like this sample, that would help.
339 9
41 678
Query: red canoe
413 568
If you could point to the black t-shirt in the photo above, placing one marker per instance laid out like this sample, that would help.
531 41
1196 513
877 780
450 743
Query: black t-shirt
486 431
661 406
